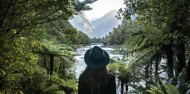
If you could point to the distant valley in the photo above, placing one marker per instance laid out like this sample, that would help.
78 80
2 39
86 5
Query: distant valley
97 28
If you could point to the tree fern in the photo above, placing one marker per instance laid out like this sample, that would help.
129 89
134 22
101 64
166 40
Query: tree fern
170 89
155 90
62 51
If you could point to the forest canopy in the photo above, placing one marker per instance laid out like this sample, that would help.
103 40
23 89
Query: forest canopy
37 41
156 41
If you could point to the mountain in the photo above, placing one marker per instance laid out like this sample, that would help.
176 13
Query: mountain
99 27
105 24
81 22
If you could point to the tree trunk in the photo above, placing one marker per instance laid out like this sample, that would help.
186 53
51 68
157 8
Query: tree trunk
157 61
150 71
169 56
188 71
126 86
147 74
181 56
6 11
156 66
45 63
147 71
1 83
122 87
61 70
44 60
51 64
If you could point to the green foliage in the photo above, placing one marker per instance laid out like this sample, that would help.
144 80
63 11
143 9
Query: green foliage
116 37
22 25
57 49
188 92
16 62
169 88
155 90
63 51
119 68
62 84
182 84
36 83
82 38
124 71
157 35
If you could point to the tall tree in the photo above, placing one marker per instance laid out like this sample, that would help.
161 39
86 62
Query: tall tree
20 23
55 50
171 16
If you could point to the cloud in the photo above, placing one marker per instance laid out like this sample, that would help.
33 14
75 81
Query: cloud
102 7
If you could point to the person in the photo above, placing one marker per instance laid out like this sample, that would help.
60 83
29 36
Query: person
96 79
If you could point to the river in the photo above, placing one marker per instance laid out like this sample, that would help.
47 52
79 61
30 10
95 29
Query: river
80 65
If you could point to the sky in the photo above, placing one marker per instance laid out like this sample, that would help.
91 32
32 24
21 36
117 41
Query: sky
101 7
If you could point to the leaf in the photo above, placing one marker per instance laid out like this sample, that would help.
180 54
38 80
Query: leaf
188 92
155 90
171 89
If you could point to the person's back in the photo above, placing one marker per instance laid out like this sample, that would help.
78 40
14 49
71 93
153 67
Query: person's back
95 79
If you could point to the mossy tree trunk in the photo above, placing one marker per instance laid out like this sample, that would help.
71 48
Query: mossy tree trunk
169 56
181 56
45 63
51 64
156 66
122 87
147 71
188 71
126 87
147 74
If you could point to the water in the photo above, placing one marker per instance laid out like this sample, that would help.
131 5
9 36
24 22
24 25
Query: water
80 65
